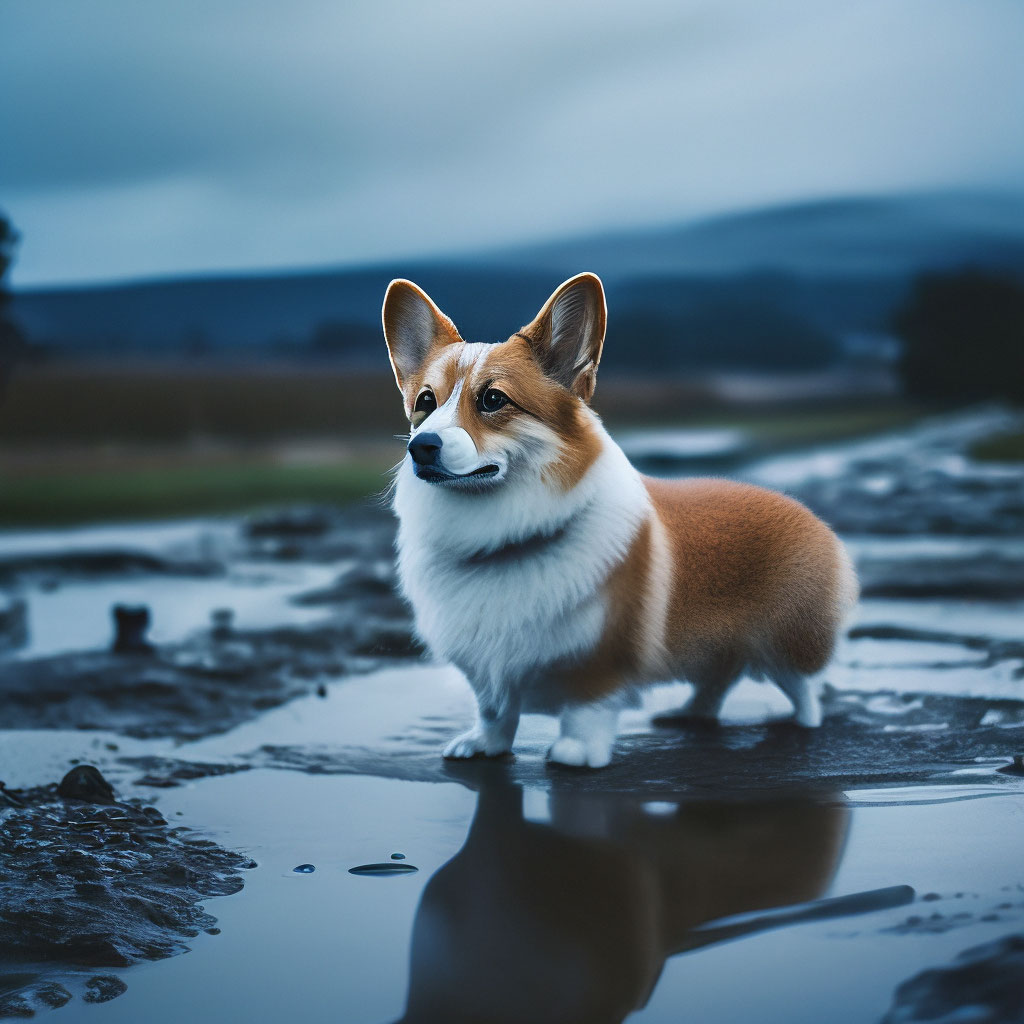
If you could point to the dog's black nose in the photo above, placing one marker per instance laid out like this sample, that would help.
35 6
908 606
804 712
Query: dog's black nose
424 448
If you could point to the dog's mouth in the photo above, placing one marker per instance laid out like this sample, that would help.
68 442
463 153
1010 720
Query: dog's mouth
434 475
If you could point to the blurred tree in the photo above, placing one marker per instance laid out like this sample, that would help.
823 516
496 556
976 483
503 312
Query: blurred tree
963 337
12 343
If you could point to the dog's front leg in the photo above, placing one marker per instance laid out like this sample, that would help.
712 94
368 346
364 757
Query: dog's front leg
495 729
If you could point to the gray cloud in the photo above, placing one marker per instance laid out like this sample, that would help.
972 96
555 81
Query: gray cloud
155 138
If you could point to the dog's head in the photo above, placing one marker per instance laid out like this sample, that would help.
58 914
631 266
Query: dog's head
483 414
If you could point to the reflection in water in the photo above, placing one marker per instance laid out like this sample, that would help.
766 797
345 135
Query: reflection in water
573 920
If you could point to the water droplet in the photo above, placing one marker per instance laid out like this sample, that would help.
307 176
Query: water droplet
387 868
398 856
304 869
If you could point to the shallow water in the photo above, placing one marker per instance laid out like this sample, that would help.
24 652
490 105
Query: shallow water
76 616
589 896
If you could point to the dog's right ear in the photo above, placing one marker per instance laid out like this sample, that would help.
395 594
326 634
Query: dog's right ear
413 325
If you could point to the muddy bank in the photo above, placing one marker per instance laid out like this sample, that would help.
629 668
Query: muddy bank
394 723
984 985
920 482
89 881
219 675
867 739
204 686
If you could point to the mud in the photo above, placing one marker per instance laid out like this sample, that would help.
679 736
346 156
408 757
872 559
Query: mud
920 483
867 739
197 688
90 885
363 532
984 985
221 676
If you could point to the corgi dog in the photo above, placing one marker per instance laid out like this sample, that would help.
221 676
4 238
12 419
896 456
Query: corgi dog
554 575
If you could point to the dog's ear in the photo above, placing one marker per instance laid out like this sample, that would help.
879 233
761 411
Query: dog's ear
567 334
412 326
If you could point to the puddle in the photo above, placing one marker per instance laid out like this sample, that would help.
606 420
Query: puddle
613 909
77 615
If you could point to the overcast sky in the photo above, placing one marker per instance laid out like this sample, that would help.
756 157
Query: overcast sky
152 137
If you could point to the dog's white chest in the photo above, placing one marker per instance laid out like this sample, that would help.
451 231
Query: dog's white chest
504 586
502 620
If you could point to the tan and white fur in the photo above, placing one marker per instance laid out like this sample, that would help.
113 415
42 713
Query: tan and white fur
557 577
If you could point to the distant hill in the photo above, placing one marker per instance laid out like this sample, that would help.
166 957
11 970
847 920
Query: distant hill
767 288
837 238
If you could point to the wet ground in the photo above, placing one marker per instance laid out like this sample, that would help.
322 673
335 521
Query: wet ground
870 870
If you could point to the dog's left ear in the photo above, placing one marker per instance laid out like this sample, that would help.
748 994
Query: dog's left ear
567 334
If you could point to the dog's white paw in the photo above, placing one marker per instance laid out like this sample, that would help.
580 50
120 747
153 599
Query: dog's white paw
575 753
473 744
809 717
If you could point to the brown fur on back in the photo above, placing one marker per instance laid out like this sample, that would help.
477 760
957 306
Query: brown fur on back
756 575
754 578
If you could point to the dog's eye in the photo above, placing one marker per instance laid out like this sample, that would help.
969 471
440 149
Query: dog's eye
492 400
426 403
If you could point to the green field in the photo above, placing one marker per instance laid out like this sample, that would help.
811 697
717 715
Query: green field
70 497
91 442
62 492
1001 448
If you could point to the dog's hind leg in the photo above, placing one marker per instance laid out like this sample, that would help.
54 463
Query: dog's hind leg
706 702
587 735
804 695
710 686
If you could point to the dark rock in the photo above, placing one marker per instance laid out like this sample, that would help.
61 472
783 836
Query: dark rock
221 622
53 995
131 623
102 988
384 868
84 782
166 772
363 580
304 869
13 623
300 521
8 799
362 532
15 1005
987 575
984 985
50 569
21 995
995 649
